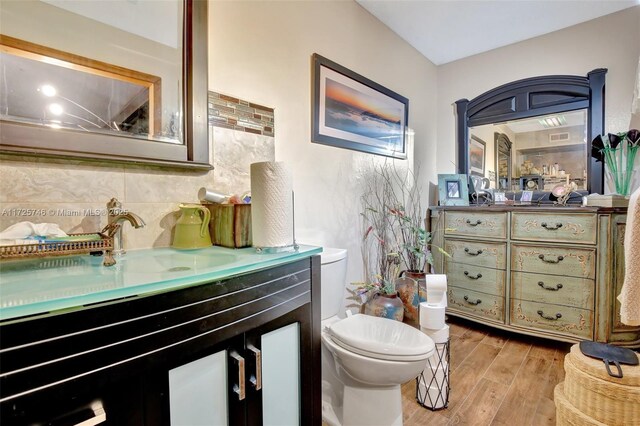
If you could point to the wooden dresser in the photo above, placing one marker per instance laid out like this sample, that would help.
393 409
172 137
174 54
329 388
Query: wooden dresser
546 271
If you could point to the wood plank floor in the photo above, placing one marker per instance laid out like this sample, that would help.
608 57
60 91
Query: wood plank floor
497 378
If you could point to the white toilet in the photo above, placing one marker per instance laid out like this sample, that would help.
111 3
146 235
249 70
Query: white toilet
365 359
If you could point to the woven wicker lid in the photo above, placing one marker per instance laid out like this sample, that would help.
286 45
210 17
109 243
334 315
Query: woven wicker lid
596 368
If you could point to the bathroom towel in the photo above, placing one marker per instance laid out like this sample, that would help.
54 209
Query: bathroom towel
630 295
22 230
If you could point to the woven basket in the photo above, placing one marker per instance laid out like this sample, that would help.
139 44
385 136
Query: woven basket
567 414
590 390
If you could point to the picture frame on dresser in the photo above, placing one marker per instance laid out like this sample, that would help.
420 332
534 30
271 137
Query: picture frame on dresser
352 112
453 189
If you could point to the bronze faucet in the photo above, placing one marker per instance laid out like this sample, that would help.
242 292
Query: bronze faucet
116 216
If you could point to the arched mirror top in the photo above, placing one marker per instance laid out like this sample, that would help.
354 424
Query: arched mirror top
552 104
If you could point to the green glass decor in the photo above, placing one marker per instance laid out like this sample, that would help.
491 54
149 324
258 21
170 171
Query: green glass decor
619 153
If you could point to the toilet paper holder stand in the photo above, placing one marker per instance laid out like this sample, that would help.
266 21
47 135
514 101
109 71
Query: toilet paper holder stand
289 247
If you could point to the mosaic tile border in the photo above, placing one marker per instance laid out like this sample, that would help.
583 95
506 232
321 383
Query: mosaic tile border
233 113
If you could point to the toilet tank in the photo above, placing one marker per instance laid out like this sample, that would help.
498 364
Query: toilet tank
333 280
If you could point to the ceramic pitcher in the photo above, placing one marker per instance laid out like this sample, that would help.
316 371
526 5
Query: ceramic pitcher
192 228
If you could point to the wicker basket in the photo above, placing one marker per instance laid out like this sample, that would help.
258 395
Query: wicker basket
66 248
591 391
567 414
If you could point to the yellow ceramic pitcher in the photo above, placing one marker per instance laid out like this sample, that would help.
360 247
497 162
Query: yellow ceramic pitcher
192 228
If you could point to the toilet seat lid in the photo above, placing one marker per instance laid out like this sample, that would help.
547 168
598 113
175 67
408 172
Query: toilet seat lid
381 338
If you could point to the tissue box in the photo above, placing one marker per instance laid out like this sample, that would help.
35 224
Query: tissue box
230 225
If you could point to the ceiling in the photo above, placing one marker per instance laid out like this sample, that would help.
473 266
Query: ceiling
448 30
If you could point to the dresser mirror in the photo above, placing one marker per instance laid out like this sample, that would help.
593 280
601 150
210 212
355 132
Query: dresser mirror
535 154
118 80
534 134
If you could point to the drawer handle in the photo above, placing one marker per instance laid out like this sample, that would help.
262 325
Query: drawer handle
470 253
478 222
550 288
240 387
472 302
556 318
551 228
557 260
479 275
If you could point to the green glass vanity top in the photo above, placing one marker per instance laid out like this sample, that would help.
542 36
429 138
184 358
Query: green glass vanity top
37 286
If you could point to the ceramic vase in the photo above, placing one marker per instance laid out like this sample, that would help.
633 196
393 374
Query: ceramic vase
411 286
384 305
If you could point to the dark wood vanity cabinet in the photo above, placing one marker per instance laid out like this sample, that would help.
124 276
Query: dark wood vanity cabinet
117 359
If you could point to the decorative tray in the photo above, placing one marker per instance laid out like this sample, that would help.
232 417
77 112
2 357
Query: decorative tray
58 248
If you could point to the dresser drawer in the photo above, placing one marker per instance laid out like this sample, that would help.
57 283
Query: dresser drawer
545 316
566 261
476 224
478 253
555 227
481 304
478 278
559 290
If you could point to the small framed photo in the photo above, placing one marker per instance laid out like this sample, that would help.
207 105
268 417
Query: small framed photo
453 190
526 197
499 198
477 148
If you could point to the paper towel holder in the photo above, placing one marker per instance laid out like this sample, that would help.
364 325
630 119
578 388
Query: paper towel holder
288 247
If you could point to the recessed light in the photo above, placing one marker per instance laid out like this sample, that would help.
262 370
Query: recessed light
553 121
48 90
56 109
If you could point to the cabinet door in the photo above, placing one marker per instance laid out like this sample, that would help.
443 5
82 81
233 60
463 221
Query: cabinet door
279 371
198 392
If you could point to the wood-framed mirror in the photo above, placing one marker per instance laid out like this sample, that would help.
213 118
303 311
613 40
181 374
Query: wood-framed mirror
116 81
548 122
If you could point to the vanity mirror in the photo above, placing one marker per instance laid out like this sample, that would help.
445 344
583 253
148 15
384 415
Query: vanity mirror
540 131
113 80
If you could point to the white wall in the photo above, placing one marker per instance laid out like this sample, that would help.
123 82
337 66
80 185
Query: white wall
611 42
261 50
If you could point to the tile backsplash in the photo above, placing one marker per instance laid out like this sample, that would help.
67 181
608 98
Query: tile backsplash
74 193
233 113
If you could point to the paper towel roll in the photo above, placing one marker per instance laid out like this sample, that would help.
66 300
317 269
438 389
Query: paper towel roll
431 316
438 336
436 288
271 204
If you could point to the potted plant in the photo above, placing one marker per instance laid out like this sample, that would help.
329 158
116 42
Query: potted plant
380 248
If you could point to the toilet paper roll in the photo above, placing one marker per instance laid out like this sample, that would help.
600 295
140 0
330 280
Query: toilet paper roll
436 288
434 397
271 204
431 316
438 336
435 376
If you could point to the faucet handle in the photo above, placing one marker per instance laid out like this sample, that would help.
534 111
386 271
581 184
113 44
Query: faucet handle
110 229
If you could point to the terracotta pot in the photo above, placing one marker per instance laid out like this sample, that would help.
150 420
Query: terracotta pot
385 305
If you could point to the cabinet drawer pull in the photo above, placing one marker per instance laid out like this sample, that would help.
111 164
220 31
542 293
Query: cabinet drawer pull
551 228
239 388
478 222
550 288
556 318
99 415
556 260
472 302
256 380
471 253
479 275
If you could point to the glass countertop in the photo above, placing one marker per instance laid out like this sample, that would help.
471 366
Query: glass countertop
38 286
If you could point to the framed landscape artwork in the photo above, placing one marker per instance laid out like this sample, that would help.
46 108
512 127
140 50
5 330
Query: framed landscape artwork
350 111
477 149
